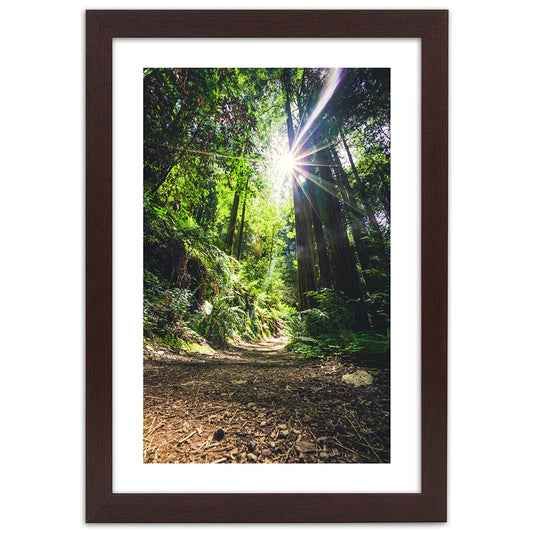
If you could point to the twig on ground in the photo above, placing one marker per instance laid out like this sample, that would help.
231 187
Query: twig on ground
184 439
211 411
245 422
202 446
288 453
345 447
368 445
234 415
152 423
154 429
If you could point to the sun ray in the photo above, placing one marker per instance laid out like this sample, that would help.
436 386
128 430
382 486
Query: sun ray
302 142
332 81
329 188
299 183
314 150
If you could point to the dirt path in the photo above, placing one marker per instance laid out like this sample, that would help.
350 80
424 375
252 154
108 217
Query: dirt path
259 403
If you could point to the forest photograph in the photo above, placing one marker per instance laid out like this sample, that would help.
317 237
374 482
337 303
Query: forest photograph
266 265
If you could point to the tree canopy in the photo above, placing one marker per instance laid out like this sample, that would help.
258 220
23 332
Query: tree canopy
267 207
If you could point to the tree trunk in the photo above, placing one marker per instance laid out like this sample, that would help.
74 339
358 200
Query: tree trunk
344 268
313 192
302 220
380 246
354 215
241 228
375 284
365 247
232 223
323 264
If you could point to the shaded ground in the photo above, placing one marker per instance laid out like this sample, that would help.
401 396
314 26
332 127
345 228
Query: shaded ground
259 403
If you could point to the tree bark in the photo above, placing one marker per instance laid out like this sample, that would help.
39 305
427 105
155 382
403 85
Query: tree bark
345 272
232 223
241 228
375 284
354 215
302 219
325 280
364 245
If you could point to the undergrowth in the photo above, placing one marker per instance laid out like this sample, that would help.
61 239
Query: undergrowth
328 331
195 294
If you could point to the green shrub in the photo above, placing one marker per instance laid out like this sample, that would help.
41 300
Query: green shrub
223 323
328 331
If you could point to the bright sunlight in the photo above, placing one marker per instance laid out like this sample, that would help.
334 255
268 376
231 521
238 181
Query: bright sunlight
286 163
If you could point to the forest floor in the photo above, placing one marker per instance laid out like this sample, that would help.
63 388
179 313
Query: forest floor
258 403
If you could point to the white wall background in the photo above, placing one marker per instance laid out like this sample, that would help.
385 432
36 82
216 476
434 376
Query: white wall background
42 267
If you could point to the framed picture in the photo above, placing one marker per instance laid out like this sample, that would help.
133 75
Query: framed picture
298 68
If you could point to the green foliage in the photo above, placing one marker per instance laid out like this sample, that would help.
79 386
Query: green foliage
242 313
215 136
165 310
196 292
223 322
327 331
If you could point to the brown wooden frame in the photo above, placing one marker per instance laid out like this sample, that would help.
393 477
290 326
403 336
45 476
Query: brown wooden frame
102 505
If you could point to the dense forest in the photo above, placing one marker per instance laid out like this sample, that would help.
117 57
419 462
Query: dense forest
267 212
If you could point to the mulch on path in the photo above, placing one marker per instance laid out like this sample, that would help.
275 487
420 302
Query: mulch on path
259 403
